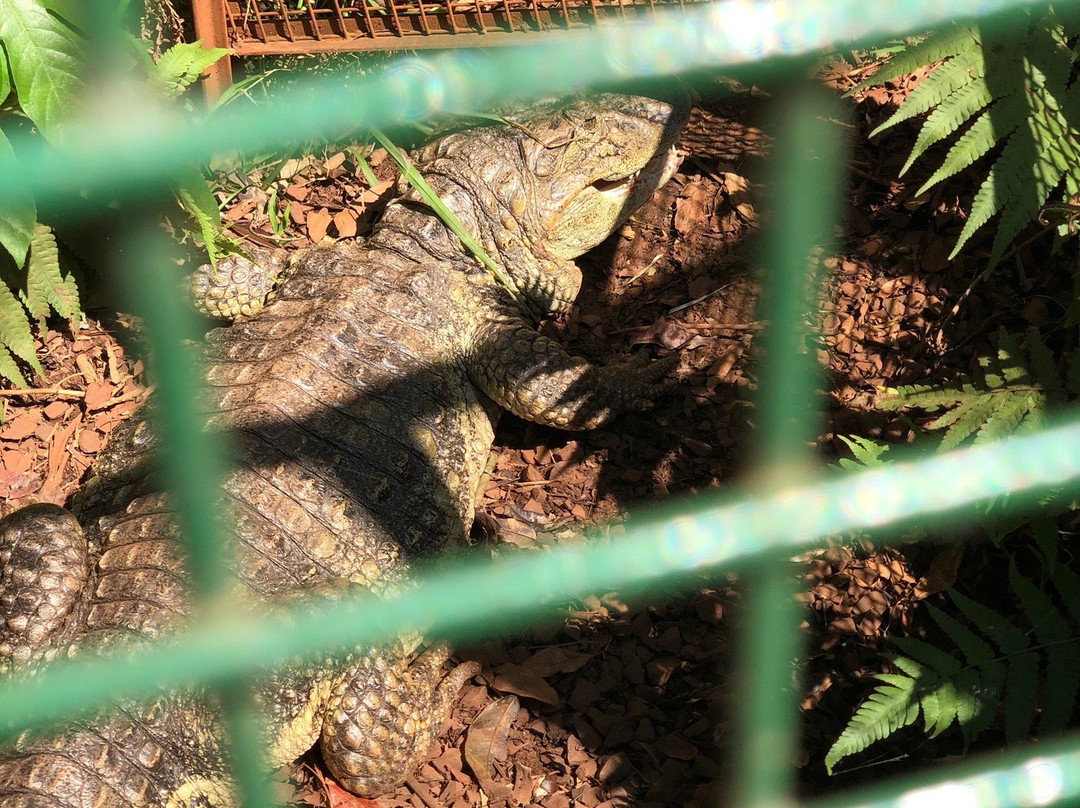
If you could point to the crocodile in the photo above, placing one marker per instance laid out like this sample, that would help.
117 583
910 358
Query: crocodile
357 387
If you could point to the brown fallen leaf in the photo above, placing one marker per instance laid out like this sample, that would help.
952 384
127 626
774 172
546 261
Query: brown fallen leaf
345 222
338 797
485 743
318 221
669 335
942 572
526 682
22 426
14 486
556 659
97 395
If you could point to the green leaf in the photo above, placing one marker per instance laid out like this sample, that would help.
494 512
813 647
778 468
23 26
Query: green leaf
979 138
46 57
1062 684
195 197
975 649
965 70
181 65
5 77
1021 682
15 333
17 209
1006 636
9 370
447 216
888 708
947 118
45 286
947 41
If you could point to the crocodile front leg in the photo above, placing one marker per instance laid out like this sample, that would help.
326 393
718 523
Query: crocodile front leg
533 377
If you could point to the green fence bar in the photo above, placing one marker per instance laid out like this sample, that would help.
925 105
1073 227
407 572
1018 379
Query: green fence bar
802 209
667 549
158 141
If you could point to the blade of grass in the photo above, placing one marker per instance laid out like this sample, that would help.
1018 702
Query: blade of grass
448 218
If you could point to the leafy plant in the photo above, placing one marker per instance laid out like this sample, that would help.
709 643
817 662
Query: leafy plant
1010 392
1018 95
41 78
989 666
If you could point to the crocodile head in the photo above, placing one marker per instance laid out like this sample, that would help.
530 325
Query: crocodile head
555 181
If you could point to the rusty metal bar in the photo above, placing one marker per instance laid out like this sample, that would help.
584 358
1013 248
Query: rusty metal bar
212 28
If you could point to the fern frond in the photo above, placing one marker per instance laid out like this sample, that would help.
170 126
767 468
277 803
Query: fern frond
15 336
1062 686
947 41
1004 397
866 453
945 120
890 707
964 420
1002 672
976 650
45 286
1021 684
964 70
979 138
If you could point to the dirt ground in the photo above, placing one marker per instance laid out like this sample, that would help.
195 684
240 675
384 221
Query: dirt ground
621 703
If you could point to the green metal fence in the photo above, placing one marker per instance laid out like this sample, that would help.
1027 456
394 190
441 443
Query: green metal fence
793 506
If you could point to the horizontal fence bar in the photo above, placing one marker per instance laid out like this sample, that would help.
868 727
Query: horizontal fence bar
1031 777
132 150
663 549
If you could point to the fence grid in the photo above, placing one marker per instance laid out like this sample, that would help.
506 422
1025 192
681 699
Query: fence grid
792 507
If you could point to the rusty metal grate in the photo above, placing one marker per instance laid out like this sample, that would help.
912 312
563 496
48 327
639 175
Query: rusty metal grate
267 27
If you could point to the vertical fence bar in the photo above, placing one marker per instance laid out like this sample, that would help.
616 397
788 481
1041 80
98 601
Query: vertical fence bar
803 201
192 469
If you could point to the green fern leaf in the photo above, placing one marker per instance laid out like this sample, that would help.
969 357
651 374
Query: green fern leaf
15 334
975 649
990 690
942 44
9 370
938 708
1008 416
1045 618
180 66
1068 584
1007 637
1021 683
964 70
891 706
866 453
964 421
924 396
1021 206
979 138
45 286
1042 364
1011 169
946 119
929 656
1062 685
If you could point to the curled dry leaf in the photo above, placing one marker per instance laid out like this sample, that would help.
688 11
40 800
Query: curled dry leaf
486 743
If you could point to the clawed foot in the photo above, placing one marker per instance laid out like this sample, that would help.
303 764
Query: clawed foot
237 289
